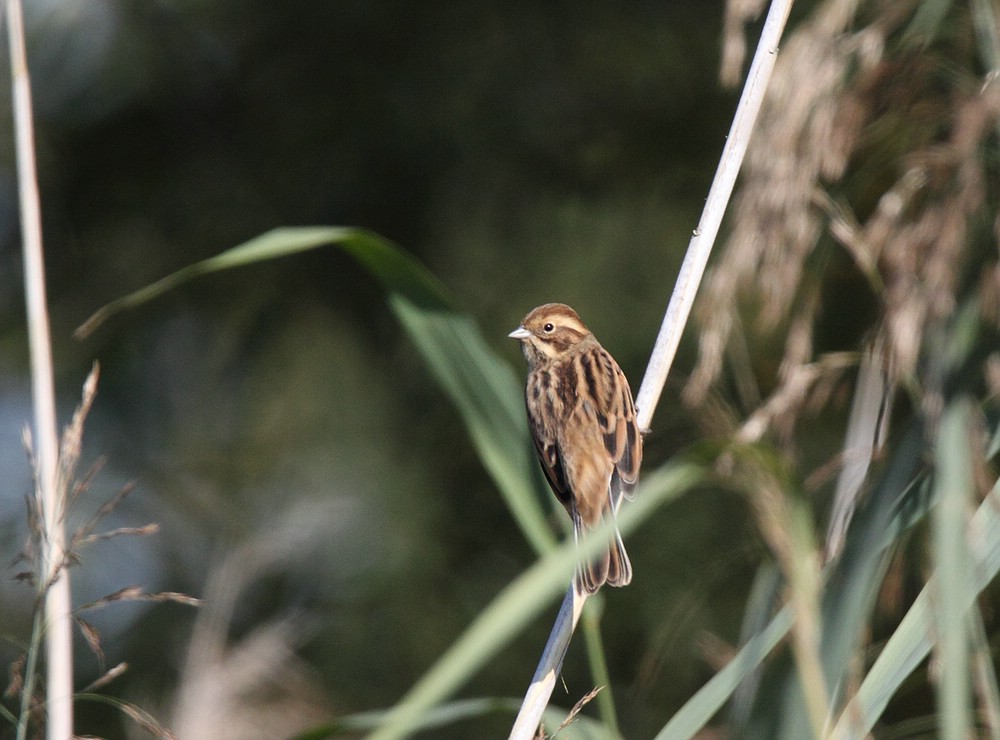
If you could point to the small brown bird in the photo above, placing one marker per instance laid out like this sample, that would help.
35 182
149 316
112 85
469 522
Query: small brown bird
583 423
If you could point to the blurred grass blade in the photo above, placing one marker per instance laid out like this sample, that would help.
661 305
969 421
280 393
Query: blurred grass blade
986 20
892 507
394 268
953 486
853 580
594 643
994 444
984 675
710 698
765 593
479 382
867 426
911 642
523 600
926 22
440 716
483 388
584 728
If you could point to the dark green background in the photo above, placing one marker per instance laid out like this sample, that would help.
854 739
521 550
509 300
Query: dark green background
525 152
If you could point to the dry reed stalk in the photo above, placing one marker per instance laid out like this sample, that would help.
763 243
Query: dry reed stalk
58 626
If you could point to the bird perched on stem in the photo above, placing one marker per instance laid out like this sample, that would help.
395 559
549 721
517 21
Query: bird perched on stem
583 423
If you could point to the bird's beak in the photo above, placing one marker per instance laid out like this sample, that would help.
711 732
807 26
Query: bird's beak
519 333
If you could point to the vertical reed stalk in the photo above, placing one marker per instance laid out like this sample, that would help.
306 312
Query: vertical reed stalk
54 578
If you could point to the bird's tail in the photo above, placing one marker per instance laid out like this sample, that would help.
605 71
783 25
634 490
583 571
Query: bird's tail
610 566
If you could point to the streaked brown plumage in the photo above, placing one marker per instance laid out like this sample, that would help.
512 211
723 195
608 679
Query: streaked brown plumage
584 426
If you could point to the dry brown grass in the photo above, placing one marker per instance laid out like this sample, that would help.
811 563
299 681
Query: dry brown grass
878 141
868 142
23 685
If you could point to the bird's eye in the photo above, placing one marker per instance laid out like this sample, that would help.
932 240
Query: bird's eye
549 328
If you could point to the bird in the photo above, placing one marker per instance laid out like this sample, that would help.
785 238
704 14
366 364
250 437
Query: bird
583 423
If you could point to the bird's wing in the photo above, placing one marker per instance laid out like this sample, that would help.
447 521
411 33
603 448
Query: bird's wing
622 439
549 456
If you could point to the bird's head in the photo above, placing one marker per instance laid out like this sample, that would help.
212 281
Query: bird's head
549 332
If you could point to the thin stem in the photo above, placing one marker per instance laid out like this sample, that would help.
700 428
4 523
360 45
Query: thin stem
674 321
599 668
53 577
703 239
30 672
